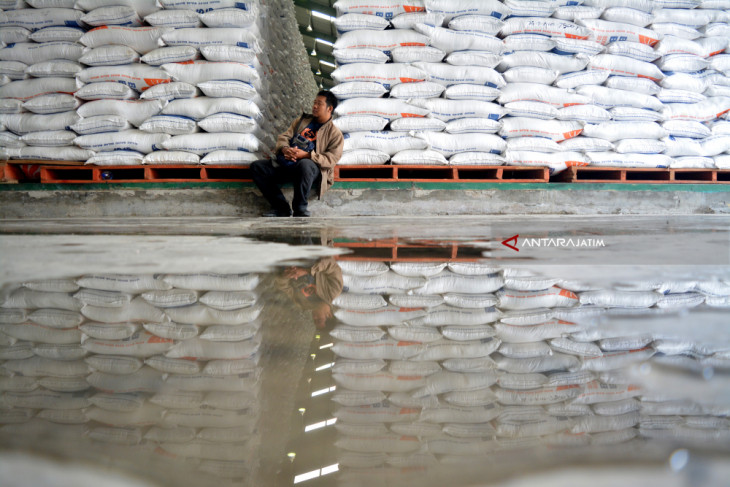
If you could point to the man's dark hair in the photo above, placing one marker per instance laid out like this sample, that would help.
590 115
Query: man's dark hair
329 97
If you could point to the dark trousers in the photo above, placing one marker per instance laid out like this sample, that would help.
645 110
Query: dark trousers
303 175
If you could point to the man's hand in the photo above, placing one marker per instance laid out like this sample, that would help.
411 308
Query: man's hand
288 153
295 272
299 153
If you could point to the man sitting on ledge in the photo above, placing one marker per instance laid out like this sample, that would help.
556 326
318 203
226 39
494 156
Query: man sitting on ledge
306 155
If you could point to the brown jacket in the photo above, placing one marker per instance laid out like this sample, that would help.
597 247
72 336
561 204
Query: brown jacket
328 281
327 150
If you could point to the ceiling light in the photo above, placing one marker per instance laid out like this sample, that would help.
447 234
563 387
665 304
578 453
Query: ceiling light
320 15
326 43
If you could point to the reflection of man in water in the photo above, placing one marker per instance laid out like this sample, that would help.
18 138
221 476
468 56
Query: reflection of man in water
313 289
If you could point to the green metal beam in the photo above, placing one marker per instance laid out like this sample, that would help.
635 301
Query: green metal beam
316 6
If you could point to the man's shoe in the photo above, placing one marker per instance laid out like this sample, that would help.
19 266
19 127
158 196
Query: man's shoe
302 213
276 213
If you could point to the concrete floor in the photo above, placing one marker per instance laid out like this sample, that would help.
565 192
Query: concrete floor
364 199
221 244
634 250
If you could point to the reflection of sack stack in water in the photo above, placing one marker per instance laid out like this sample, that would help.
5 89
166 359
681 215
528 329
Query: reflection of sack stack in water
444 362
166 365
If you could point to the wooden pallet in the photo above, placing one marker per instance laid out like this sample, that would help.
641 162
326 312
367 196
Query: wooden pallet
179 173
17 171
76 172
393 250
464 174
636 175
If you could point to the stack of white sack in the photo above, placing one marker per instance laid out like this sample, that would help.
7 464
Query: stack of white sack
451 359
114 112
38 64
604 82
155 82
135 360
649 95
696 87
542 113
441 84
220 67
238 81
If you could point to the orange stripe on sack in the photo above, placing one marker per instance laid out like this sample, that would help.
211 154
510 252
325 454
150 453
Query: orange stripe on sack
647 40
563 388
640 350
572 133
656 80
564 292
574 36
155 81
411 115
407 344
412 44
413 8
409 411
574 164
410 80
156 339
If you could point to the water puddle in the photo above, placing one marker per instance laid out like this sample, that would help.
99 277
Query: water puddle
346 354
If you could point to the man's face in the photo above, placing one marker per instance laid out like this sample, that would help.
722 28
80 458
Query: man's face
320 108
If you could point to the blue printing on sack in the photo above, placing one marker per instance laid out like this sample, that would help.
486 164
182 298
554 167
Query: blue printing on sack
241 5
232 113
176 116
562 53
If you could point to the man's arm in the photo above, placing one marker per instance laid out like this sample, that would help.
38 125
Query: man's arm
282 141
332 153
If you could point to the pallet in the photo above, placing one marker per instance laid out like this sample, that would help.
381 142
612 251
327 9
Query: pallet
177 173
393 250
5 177
19 162
21 171
464 174
636 175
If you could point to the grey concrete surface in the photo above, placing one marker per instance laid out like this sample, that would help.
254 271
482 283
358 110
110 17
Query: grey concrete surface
424 199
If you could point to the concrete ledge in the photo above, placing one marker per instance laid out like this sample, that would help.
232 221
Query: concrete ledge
371 199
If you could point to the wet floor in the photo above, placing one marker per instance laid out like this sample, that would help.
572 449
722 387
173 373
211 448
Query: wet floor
348 352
